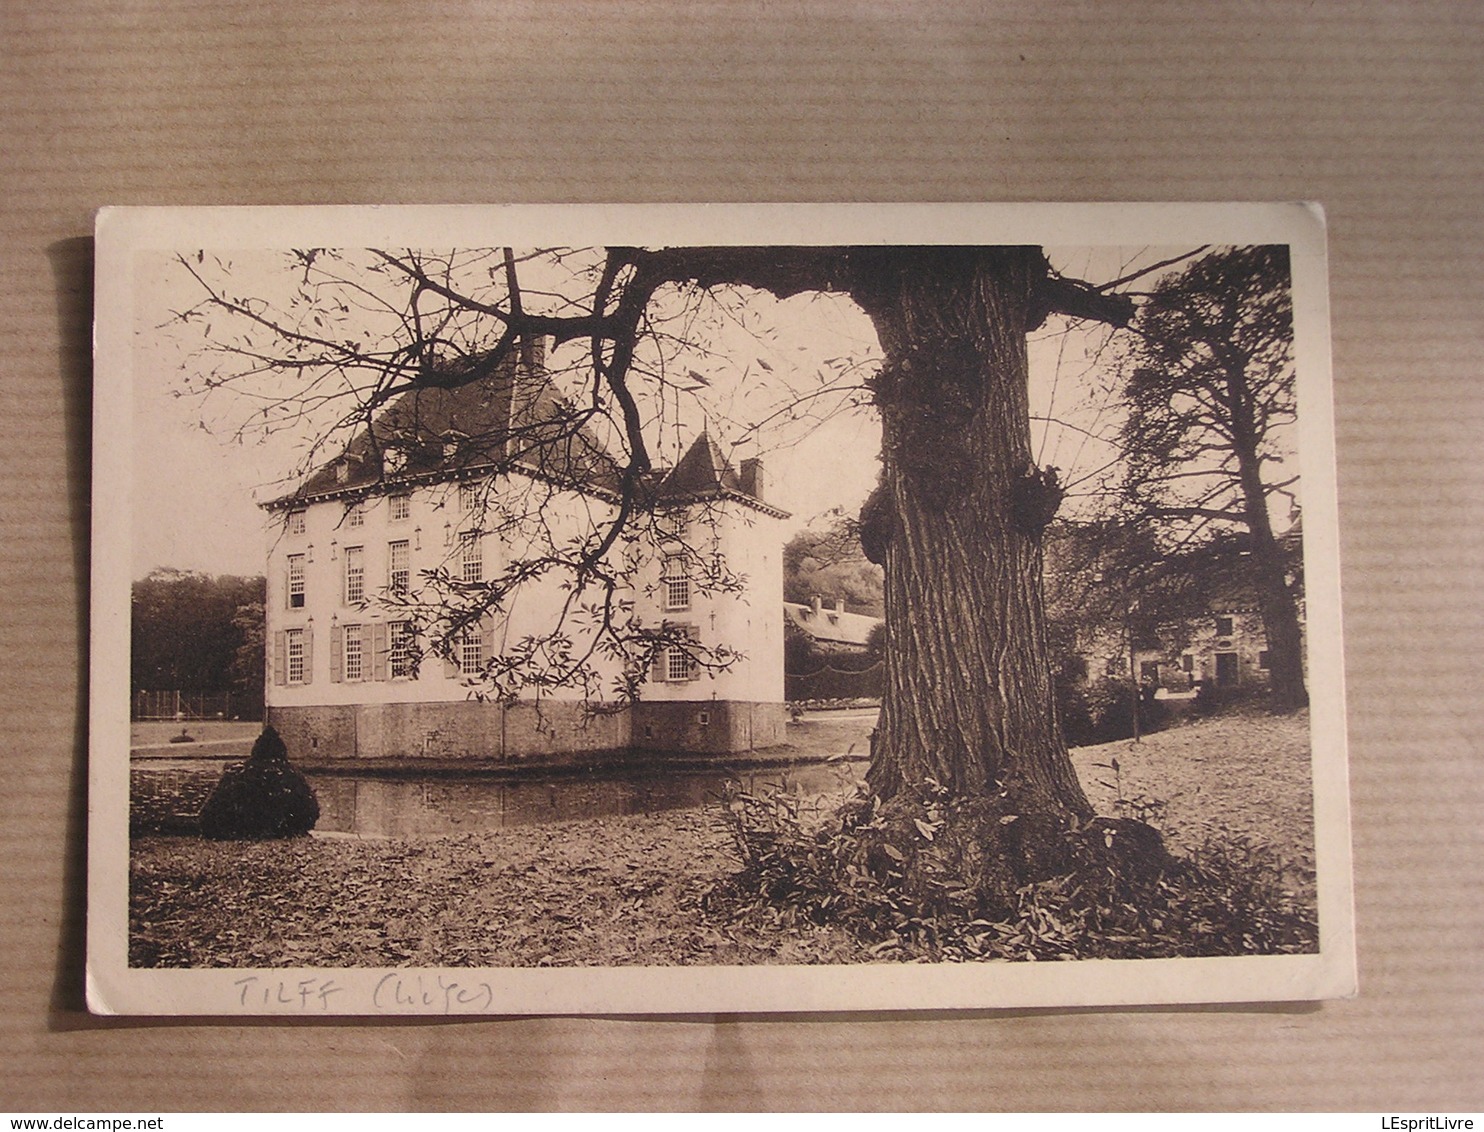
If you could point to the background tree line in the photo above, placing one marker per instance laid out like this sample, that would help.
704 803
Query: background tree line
196 632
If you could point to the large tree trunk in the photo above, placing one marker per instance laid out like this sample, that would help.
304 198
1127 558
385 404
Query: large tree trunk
968 699
1274 599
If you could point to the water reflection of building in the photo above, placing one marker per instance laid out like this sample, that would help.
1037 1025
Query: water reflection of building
448 487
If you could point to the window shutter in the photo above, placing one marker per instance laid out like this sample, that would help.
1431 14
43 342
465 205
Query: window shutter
451 661
657 665
337 654
280 657
308 655
486 642
378 650
693 669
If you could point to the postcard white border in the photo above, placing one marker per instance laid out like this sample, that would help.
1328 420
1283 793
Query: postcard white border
115 988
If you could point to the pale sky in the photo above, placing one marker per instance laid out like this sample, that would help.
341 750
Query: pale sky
195 486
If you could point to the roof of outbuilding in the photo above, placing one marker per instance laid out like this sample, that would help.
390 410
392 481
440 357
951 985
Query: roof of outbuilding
833 626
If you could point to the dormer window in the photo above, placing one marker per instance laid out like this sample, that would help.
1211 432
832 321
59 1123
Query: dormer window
395 460
342 471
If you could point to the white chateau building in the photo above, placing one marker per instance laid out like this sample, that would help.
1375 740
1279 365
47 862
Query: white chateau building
416 493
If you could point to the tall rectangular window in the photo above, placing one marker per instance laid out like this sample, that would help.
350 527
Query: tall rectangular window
296 522
1223 626
355 575
355 653
471 557
355 515
296 581
676 583
469 496
294 647
399 508
471 652
401 649
399 567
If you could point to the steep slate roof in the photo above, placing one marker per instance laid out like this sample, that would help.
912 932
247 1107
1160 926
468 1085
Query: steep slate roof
702 470
704 473
512 418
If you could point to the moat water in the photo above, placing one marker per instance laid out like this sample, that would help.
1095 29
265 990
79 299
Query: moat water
379 805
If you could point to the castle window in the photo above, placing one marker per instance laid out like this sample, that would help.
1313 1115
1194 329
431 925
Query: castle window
1187 662
294 647
471 652
355 667
469 496
471 557
296 522
355 575
399 568
678 664
399 508
401 649
676 583
1223 626
355 515
672 525
296 581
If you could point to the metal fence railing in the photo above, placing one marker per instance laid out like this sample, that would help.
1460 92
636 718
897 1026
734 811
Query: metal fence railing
831 683
183 705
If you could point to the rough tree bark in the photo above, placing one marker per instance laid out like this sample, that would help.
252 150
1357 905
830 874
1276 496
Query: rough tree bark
968 698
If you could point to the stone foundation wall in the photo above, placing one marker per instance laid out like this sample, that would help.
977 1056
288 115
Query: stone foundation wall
467 730
716 727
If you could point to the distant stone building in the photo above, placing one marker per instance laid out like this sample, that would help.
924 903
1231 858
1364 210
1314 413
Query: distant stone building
417 491
1219 639
832 631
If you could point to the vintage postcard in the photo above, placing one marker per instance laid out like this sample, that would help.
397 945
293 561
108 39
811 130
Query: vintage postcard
714 608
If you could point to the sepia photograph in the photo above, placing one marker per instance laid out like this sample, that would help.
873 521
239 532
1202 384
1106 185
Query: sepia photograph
692 609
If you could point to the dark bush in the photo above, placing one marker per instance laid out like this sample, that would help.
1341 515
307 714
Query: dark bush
1112 704
260 799
1072 708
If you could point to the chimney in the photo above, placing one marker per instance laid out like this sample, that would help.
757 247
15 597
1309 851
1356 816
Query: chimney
818 603
533 354
839 605
754 479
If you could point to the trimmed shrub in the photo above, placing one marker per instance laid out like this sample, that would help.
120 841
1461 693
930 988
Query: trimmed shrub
261 799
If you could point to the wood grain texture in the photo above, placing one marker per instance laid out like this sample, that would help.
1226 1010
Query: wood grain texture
1375 109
